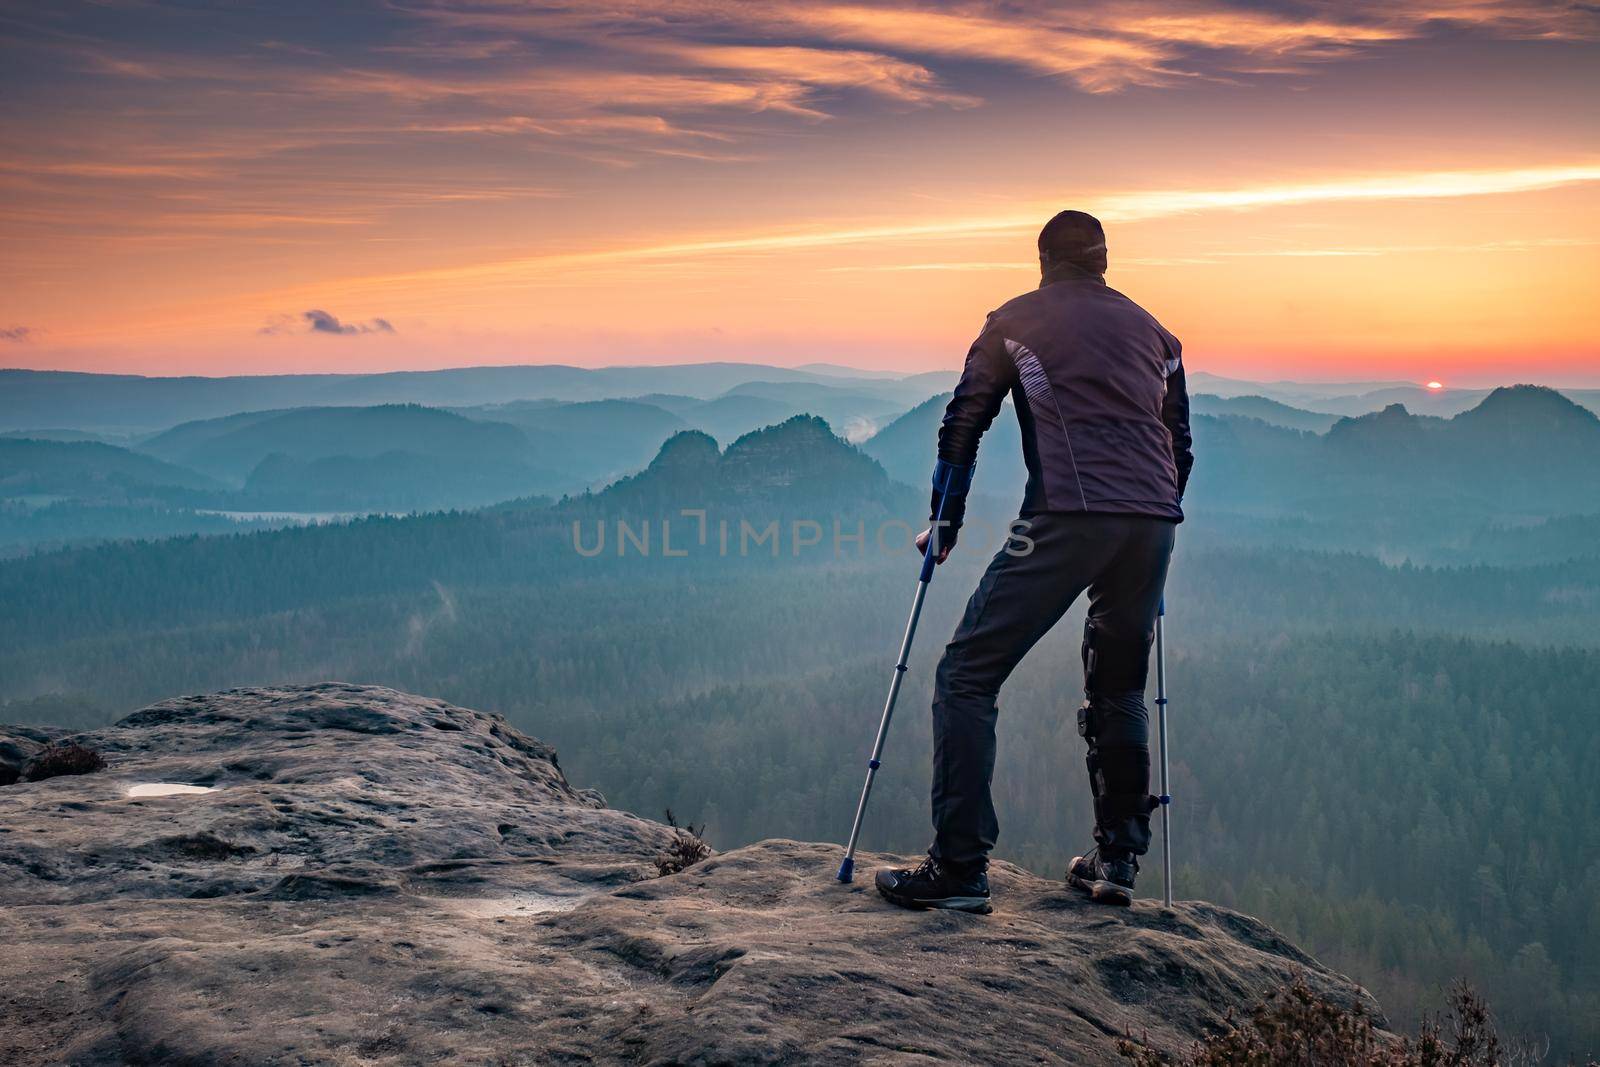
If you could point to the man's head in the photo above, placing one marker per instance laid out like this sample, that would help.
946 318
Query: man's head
1075 239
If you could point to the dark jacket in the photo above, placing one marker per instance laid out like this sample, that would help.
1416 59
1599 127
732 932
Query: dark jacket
1099 391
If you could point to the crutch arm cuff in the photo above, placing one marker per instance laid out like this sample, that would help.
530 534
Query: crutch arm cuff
951 480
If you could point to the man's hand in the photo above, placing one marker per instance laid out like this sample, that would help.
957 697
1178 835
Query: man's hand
944 544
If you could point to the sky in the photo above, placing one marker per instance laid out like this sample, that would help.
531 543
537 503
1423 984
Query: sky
1359 190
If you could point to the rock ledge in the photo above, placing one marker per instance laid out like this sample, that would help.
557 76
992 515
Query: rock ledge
380 878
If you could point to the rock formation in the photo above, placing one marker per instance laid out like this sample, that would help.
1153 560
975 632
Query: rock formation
371 877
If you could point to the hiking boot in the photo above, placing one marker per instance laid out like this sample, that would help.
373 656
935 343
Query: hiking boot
931 884
1107 878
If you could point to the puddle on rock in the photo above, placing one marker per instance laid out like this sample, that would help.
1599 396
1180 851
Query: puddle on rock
499 907
167 789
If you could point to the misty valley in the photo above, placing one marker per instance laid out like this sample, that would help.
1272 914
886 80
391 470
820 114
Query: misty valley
1382 656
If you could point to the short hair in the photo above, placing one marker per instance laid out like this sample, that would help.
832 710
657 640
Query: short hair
1075 237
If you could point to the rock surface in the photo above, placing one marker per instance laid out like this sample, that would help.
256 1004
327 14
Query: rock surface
379 878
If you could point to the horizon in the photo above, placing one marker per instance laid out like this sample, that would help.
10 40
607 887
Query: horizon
825 369
1302 192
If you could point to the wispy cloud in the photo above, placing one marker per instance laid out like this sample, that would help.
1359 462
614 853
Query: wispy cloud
1096 61
1367 251
694 80
627 81
1099 47
1122 208
815 68
1215 256
16 334
1426 185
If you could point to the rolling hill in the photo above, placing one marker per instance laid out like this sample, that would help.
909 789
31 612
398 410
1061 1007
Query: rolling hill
1260 407
234 446
89 470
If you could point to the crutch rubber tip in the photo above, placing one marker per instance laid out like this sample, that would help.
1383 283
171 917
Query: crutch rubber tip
847 869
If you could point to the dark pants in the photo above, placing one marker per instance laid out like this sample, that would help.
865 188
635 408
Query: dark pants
1122 561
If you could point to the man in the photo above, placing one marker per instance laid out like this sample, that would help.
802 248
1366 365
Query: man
1099 390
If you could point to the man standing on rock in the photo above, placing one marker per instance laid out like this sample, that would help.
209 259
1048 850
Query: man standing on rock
1099 390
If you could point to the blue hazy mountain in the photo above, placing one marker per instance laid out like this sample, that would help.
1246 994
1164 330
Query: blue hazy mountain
119 403
58 434
55 493
1521 450
801 460
89 470
1263 408
390 457
233 446
906 447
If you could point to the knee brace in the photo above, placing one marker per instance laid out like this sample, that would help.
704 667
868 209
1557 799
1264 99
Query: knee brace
1116 731
1115 720
1113 663
1115 725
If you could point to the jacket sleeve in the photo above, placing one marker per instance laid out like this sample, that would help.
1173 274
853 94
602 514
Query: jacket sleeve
987 377
1175 414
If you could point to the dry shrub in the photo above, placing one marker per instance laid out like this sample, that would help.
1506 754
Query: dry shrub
1296 1027
61 759
688 848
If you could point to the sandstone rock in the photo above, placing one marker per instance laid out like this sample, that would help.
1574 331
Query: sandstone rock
379 878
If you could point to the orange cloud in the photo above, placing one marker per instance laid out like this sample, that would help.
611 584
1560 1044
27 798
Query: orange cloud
1099 47
1097 62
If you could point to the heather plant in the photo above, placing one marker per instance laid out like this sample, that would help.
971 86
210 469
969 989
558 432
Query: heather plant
1296 1027
688 848
62 759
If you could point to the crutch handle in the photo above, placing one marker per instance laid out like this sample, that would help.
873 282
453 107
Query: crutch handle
949 481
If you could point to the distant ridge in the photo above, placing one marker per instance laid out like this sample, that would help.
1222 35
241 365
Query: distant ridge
1520 447
1521 409
232 446
124 404
45 467
131 403
1263 408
